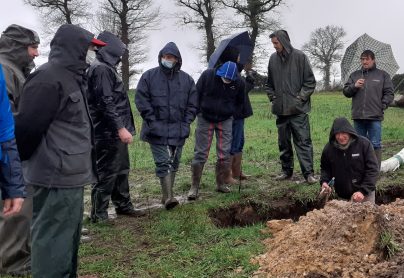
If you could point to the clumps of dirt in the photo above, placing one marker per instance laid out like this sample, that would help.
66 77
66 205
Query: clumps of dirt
340 240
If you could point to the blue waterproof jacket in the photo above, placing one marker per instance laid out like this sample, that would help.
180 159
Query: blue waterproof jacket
6 116
167 101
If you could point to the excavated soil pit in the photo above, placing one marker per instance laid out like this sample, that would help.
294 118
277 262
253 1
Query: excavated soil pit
250 212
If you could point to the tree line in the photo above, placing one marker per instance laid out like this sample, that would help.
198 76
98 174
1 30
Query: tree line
131 20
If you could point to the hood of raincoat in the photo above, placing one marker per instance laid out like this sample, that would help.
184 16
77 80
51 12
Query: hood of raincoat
113 51
69 47
170 48
342 125
14 42
283 38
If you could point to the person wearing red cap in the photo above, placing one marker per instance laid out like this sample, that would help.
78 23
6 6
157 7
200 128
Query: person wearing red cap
55 139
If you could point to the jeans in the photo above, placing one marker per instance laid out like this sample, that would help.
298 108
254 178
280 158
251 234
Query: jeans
237 143
371 130
166 158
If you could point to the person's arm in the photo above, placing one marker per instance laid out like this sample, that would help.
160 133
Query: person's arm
325 167
309 81
269 86
12 206
371 170
192 104
143 99
350 87
388 91
38 106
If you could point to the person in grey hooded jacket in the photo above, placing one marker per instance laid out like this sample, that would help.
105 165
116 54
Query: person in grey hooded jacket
167 100
290 84
55 137
18 48
114 127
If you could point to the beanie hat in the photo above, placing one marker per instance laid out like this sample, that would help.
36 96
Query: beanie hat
22 35
228 70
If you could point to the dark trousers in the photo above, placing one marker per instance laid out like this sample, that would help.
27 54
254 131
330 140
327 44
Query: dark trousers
56 228
166 158
113 172
298 128
237 142
15 239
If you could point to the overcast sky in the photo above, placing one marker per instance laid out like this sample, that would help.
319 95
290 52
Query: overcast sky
380 19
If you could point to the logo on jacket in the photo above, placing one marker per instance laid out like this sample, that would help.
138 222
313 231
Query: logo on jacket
355 155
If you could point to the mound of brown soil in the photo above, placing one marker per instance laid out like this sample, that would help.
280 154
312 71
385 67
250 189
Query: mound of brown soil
341 240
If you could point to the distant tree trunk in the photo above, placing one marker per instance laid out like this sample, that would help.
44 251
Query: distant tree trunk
327 75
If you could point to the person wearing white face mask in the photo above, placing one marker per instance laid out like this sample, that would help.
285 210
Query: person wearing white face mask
220 92
167 100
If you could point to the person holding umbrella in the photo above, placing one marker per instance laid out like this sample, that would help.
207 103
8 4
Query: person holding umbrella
371 90
290 84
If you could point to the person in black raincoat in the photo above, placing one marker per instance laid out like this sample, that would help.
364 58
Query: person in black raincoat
351 160
290 84
55 137
114 129
167 100
18 49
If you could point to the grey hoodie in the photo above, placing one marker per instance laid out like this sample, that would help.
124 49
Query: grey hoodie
291 81
14 57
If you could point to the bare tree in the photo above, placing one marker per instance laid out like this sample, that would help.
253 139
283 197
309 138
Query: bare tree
57 12
257 15
130 20
202 15
323 49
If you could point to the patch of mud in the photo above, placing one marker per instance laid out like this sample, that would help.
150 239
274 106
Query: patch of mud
389 195
340 240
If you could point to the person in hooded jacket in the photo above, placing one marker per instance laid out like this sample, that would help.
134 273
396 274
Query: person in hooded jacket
114 129
220 91
167 100
55 139
290 84
350 159
372 91
18 48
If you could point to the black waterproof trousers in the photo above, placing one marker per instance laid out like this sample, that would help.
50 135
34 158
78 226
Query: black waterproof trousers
298 128
113 171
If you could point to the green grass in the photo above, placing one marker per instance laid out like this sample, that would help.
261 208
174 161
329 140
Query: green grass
184 242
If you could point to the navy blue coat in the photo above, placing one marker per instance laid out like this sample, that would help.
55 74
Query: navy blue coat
167 101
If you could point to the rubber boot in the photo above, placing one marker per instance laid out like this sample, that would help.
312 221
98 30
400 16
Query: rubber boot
228 179
196 169
236 167
222 170
167 190
378 153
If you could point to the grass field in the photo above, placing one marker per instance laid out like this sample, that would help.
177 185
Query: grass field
184 242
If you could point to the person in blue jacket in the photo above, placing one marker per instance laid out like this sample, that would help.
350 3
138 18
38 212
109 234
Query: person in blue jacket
11 181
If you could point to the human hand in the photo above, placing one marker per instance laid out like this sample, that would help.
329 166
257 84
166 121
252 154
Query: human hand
357 197
12 206
125 136
325 188
359 83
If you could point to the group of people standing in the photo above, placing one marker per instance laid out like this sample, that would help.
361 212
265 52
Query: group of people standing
73 124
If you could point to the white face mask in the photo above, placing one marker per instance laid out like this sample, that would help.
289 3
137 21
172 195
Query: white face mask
168 64
90 57
226 81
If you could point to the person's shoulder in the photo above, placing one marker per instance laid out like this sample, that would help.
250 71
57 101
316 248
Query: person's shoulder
184 74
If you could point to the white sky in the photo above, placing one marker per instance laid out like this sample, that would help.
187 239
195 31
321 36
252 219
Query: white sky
380 19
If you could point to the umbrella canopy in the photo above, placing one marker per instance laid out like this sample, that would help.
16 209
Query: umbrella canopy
383 53
240 41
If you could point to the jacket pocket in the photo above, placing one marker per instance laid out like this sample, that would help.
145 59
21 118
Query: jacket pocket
76 159
73 112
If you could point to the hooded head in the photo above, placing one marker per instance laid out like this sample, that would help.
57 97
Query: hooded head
170 49
339 127
113 51
282 37
14 43
69 47
227 71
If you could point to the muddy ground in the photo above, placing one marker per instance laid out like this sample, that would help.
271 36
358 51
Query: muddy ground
340 240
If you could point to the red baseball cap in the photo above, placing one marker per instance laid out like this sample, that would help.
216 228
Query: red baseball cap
97 42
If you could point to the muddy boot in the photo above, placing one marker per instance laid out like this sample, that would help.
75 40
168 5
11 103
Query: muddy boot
236 167
378 153
222 170
167 190
196 181
228 179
